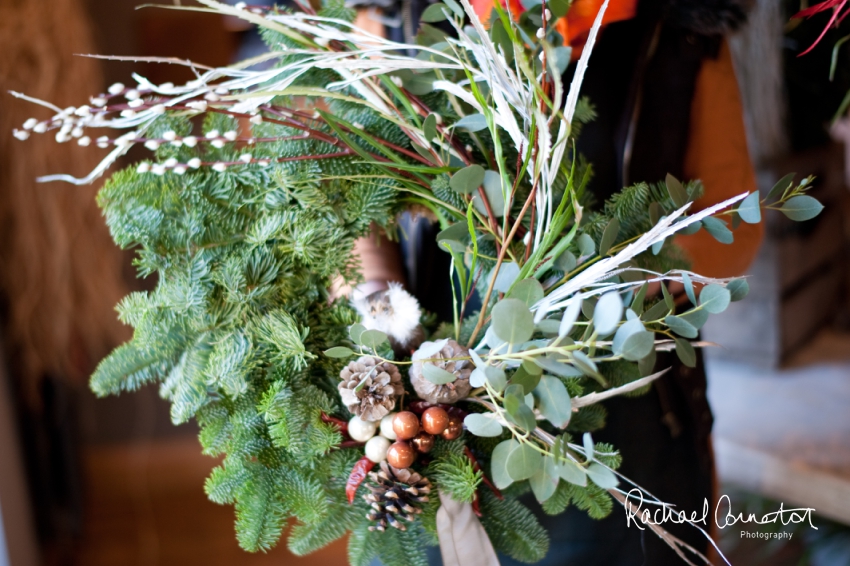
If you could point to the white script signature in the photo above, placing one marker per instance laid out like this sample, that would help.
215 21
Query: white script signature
723 514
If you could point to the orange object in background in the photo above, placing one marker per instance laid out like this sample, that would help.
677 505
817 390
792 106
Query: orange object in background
575 26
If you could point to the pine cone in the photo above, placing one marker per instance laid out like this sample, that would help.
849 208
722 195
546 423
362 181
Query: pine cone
395 496
378 395
448 392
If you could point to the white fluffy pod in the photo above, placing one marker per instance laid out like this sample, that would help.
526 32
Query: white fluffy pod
395 312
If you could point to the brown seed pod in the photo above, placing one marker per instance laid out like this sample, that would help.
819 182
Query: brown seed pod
435 420
401 455
405 426
423 442
450 357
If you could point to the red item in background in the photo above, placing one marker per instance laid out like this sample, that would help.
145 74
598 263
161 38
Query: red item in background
575 26
837 17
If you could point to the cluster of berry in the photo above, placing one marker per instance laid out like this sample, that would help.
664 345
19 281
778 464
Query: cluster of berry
411 434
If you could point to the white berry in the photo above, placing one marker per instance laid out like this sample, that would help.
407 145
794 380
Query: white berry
361 430
376 449
387 427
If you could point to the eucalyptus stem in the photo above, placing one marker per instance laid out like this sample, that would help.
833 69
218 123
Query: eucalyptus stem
490 287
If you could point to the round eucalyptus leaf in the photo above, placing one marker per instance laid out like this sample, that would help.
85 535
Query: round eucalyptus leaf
506 277
553 401
570 316
566 262
545 481
477 378
686 353
563 55
512 321
750 209
696 317
467 179
602 476
638 301
472 123
498 463
528 291
715 298
501 38
638 345
355 332
738 289
609 236
571 472
496 377
690 229
656 311
558 368
523 417
584 364
801 208
633 326
718 229
656 247
689 288
531 367
454 238
492 340
434 13
476 359
429 127
549 327
518 411
455 7
523 462
493 190
586 246
452 246
526 379
677 192
419 85
780 187
373 338
587 306
587 443
656 213
646 365
482 425
437 375
339 352
607 313
430 35
681 327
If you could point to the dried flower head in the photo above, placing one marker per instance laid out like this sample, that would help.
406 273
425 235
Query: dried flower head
444 354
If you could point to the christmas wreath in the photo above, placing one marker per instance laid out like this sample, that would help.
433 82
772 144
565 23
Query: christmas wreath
364 416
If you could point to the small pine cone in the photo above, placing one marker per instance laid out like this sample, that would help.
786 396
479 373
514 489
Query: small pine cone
447 392
378 395
395 496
